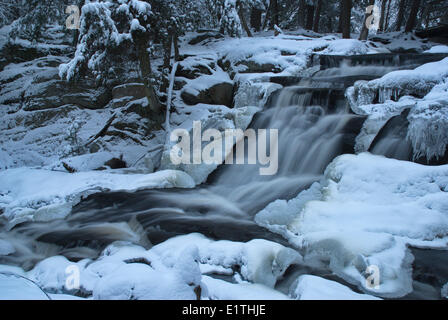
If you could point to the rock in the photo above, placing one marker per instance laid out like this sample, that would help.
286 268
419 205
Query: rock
56 93
194 66
218 94
208 35
255 67
395 129
16 53
192 73
134 90
116 163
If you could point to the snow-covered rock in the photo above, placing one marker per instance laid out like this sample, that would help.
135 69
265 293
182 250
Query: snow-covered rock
392 86
366 212
315 288
259 261
171 270
428 104
438 49
41 195
346 47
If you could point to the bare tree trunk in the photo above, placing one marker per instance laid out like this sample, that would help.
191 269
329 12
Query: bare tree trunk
243 21
255 19
167 49
275 14
400 16
410 25
268 15
365 30
309 17
302 13
317 16
383 15
386 22
155 107
176 47
346 15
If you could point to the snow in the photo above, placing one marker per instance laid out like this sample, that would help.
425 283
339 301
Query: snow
14 287
438 49
417 82
444 292
222 290
211 117
423 90
171 270
346 47
315 288
365 212
261 261
6 248
28 194
428 128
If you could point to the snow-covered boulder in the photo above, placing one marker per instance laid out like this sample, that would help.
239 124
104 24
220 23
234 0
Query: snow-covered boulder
346 47
259 261
365 213
171 270
218 93
392 86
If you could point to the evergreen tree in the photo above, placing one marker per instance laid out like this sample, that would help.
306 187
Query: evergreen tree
108 31
35 16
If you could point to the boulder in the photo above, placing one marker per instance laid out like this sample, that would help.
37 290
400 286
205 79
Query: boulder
134 90
56 93
218 94
255 67
193 72
208 35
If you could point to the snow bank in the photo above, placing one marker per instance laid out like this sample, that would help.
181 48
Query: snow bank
41 195
315 288
346 47
366 212
171 270
123 272
392 86
14 287
259 261
438 49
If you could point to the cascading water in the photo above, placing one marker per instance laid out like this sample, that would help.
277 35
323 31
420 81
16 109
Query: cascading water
314 127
